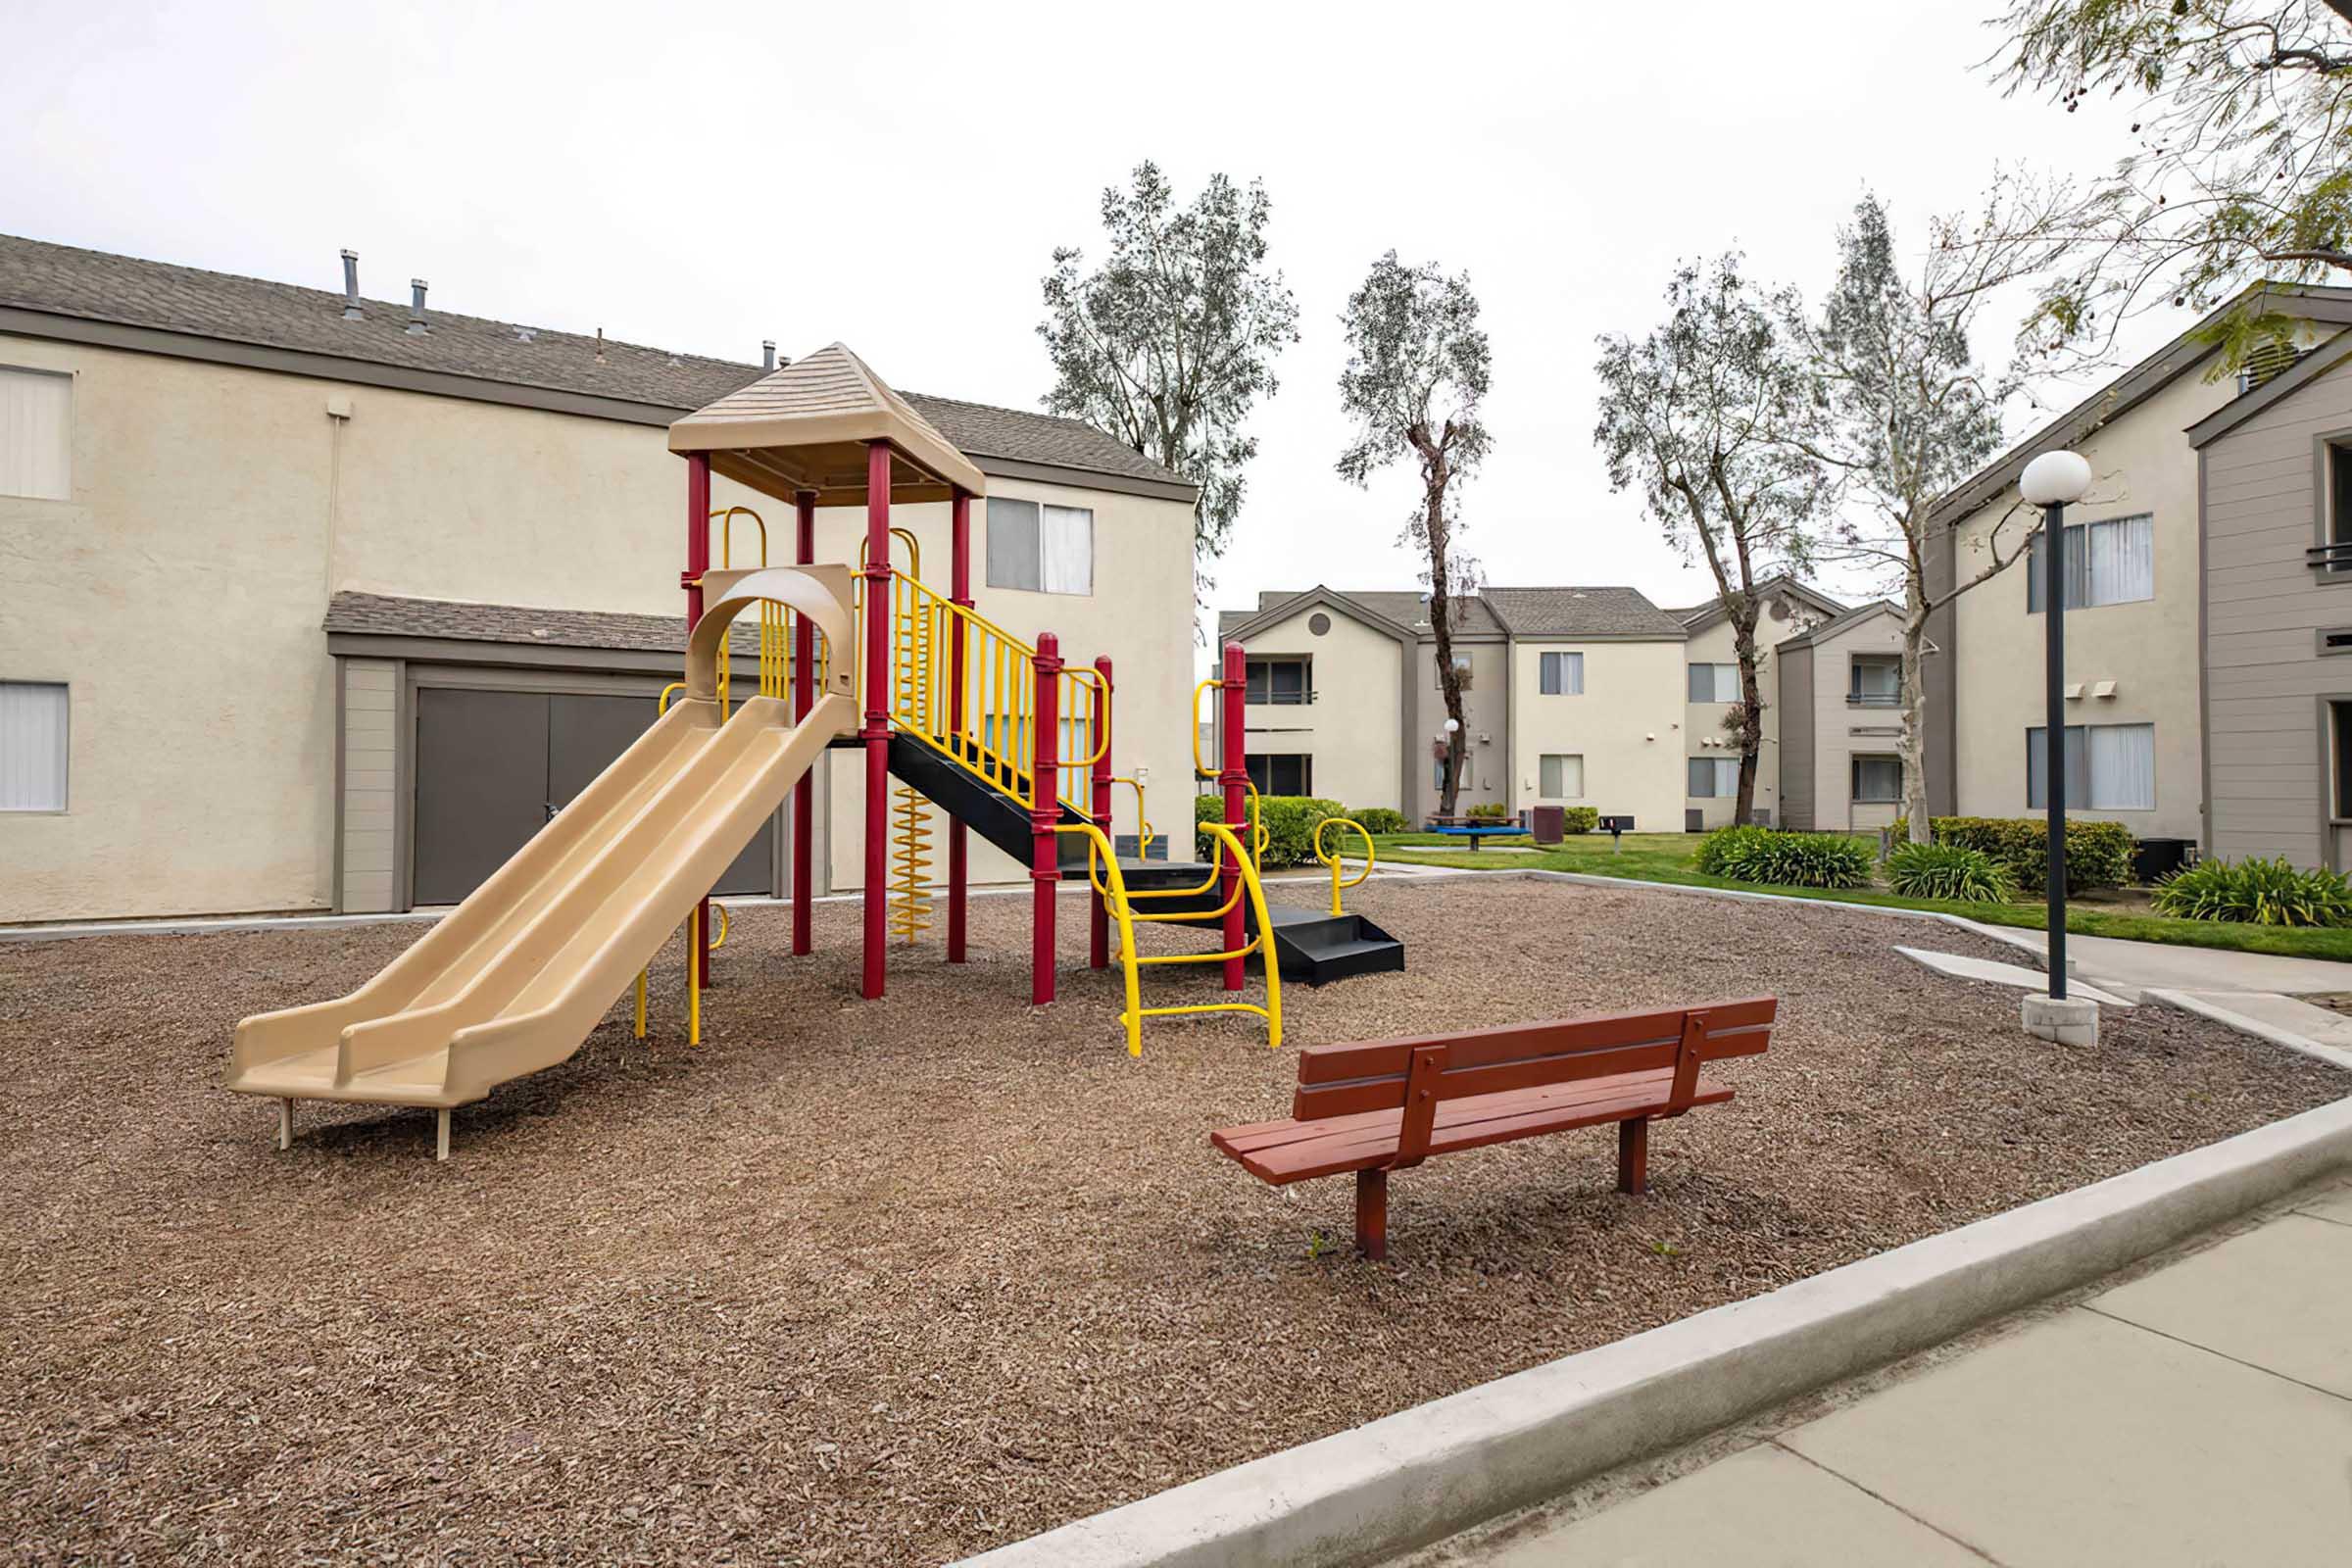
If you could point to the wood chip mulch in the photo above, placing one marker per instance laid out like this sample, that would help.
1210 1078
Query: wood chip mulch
895 1282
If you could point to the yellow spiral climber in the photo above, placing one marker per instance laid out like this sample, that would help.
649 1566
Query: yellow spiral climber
910 864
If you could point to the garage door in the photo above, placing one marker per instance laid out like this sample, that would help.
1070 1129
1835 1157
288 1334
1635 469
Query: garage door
492 767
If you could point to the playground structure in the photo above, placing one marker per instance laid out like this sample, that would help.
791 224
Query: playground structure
1004 735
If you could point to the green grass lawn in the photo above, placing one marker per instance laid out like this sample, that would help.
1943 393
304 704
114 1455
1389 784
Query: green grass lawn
1668 857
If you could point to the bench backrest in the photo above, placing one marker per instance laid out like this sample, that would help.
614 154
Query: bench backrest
1347 1079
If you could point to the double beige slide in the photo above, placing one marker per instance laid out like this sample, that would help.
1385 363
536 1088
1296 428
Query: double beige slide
513 980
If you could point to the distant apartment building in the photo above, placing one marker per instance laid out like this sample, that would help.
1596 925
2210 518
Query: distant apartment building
1711 662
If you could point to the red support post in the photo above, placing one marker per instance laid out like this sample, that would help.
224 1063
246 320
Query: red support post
1097 930
1234 780
698 562
960 590
877 733
1045 814
804 699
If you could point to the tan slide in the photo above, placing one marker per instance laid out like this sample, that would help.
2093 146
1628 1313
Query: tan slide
513 980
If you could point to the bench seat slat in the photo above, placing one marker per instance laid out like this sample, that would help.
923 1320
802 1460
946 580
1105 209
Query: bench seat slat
1744 1022
1282 1152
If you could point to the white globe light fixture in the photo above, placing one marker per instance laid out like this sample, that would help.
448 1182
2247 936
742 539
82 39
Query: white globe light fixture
2055 479
1452 725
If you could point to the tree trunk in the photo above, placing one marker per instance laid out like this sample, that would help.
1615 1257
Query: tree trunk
1751 707
1440 621
1911 746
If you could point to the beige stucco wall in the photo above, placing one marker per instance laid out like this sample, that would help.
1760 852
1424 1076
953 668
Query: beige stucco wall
1840 733
1623 725
1352 727
2143 464
180 592
1704 720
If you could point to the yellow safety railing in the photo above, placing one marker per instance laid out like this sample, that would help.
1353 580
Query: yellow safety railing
994 732
1101 862
725 518
1332 860
1142 824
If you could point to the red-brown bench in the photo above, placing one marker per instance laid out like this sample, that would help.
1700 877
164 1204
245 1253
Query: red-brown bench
1374 1108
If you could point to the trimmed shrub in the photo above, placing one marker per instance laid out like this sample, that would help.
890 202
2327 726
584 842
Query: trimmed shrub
2098 855
1783 859
2255 892
1380 819
1953 872
1488 811
1289 821
1579 818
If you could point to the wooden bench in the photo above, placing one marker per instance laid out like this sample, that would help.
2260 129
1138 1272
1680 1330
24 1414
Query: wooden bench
1374 1108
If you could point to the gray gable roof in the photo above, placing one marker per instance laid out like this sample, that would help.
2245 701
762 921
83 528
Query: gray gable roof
1698 617
389 615
64 281
1605 611
1838 623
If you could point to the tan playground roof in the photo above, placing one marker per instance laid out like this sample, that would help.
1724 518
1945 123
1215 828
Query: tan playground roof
807 426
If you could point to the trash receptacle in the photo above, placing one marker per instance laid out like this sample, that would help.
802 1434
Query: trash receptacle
2154 859
1550 823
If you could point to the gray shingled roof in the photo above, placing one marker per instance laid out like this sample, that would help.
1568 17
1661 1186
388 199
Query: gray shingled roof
1406 608
98 286
1606 612
387 615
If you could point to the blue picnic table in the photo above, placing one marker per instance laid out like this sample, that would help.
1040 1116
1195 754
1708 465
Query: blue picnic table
1474 834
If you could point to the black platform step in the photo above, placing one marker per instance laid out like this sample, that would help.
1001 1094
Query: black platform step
1316 947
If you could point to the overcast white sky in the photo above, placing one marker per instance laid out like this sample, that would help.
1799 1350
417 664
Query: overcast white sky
896 175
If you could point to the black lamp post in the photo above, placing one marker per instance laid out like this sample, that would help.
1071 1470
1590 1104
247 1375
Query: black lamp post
2049 482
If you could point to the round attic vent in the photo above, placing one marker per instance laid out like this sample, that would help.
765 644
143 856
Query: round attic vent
1318 623
1776 608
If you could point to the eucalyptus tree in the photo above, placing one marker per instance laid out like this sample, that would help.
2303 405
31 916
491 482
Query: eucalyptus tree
1416 378
1170 341
1704 416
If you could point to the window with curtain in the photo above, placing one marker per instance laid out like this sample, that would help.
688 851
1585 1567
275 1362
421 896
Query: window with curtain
34 732
1714 683
1714 778
1875 780
1560 777
36 434
2339 498
1462 670
2111 562
1039 548
1560 674
1874 681
2109 767
2339 726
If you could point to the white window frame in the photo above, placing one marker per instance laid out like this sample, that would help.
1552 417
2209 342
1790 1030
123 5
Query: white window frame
23 713
1726 780
1721 678
36 440
2085 589
1853 774
2097 792
1563 758
1037 564
1560 672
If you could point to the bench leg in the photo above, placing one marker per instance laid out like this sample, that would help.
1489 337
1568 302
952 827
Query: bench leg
1633 1156
1372 1214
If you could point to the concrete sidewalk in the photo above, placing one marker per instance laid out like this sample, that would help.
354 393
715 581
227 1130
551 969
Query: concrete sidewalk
2199 1413
2185 968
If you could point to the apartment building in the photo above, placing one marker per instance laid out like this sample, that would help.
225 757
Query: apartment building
1790 609
319 601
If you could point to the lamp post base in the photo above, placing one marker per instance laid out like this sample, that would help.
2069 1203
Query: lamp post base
2066 1021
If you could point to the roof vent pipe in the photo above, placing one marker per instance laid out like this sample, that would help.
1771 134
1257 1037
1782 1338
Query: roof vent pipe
417 326
768 354
351 286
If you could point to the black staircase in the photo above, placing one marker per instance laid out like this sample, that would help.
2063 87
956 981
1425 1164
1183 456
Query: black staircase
1311 946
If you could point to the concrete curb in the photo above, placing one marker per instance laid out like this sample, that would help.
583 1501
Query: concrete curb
2334 1056
1418 1476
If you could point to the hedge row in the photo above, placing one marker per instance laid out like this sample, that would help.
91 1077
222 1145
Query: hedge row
2098 855
1289 821
1783 858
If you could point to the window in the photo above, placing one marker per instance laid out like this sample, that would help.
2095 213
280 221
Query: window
2340 724
2106 563
1872 681
1461 670
1561 778
2109 767
1560 674
1714 683
1043 549
1286 773
1875 780
1714 778
1277 680
33 746
36 434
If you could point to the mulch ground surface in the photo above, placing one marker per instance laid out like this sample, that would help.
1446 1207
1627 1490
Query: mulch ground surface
895 1282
